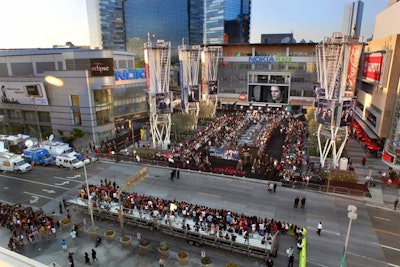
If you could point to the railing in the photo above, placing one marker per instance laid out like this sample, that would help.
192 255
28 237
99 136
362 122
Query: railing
325 188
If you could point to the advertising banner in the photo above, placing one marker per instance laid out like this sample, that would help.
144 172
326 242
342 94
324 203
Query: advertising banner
223 153
372 66
182 89
212 87
347 112
352 70
268 93
100 67
163 103
193 93
27 93
324 113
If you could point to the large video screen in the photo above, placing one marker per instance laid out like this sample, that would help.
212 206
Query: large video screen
269 93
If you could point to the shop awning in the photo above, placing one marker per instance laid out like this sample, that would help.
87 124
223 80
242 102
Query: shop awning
365 127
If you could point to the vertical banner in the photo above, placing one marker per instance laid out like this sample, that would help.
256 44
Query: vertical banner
352 70
146 67
183 105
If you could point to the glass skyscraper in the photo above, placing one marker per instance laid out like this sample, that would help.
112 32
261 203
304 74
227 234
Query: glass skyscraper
127 24
352 18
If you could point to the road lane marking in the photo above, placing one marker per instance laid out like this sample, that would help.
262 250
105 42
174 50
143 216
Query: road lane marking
380 218
37 195
34 182
386 232
63 183
393 265
209 195
34 199
66 179
49 191
397 249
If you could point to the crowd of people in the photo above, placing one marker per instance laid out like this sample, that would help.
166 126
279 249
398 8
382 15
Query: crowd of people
219 222
26 225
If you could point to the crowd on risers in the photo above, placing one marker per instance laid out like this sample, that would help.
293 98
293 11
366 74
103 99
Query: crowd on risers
26 223
255 159
218 222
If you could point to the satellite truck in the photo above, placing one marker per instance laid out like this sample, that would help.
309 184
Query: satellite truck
36 155
58 148
10 162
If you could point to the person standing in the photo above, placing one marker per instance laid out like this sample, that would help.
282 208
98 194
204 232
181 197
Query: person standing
396 202
73 235
363 161
291 260
64 245
319 228
296 202
71 259
60 207
269 262
94 253
303 202
177 173
275 186
161 262
87 259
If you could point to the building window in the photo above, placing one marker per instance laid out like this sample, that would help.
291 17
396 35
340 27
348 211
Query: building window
103 116
75 101
76 112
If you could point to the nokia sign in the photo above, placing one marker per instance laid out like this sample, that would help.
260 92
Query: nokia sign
270 59
130 74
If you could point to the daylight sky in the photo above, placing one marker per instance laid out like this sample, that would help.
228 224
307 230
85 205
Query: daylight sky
44 23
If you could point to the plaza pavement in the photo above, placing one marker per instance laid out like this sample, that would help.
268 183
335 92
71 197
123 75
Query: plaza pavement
49 252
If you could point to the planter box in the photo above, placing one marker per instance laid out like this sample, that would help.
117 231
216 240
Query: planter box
126 241
144 249
109 235
183 261
163 253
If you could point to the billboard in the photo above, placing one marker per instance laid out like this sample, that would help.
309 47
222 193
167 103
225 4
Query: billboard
212 87
163 103
100 67
352 69
324 112
193 93
372 66
269 93
347 112
27 93
223 153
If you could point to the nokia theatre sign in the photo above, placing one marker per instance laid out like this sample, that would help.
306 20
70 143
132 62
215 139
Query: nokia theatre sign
270 59
130 74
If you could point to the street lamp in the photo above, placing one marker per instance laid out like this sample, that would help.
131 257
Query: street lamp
88 192
352 215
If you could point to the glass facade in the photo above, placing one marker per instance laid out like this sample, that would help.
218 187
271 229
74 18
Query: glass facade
162 19
352 18
227 21
106 24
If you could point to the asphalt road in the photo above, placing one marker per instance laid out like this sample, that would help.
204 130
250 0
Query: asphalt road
373 239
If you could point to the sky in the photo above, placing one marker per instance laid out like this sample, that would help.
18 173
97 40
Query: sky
44 23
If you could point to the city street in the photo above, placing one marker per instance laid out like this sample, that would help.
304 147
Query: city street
373 235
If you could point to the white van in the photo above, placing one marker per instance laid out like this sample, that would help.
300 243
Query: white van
68 162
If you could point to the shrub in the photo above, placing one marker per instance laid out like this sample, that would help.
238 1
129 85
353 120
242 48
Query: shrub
183 254
109 232
92 229
231 264
163 246
144 241
206 260
125 238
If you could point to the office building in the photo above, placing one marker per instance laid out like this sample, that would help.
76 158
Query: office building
100 92
387 21
106 24
245 69
352 18
126 25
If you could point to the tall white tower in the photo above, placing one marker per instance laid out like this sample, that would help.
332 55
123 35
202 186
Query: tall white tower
210 58
337 66
157 57
189 63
